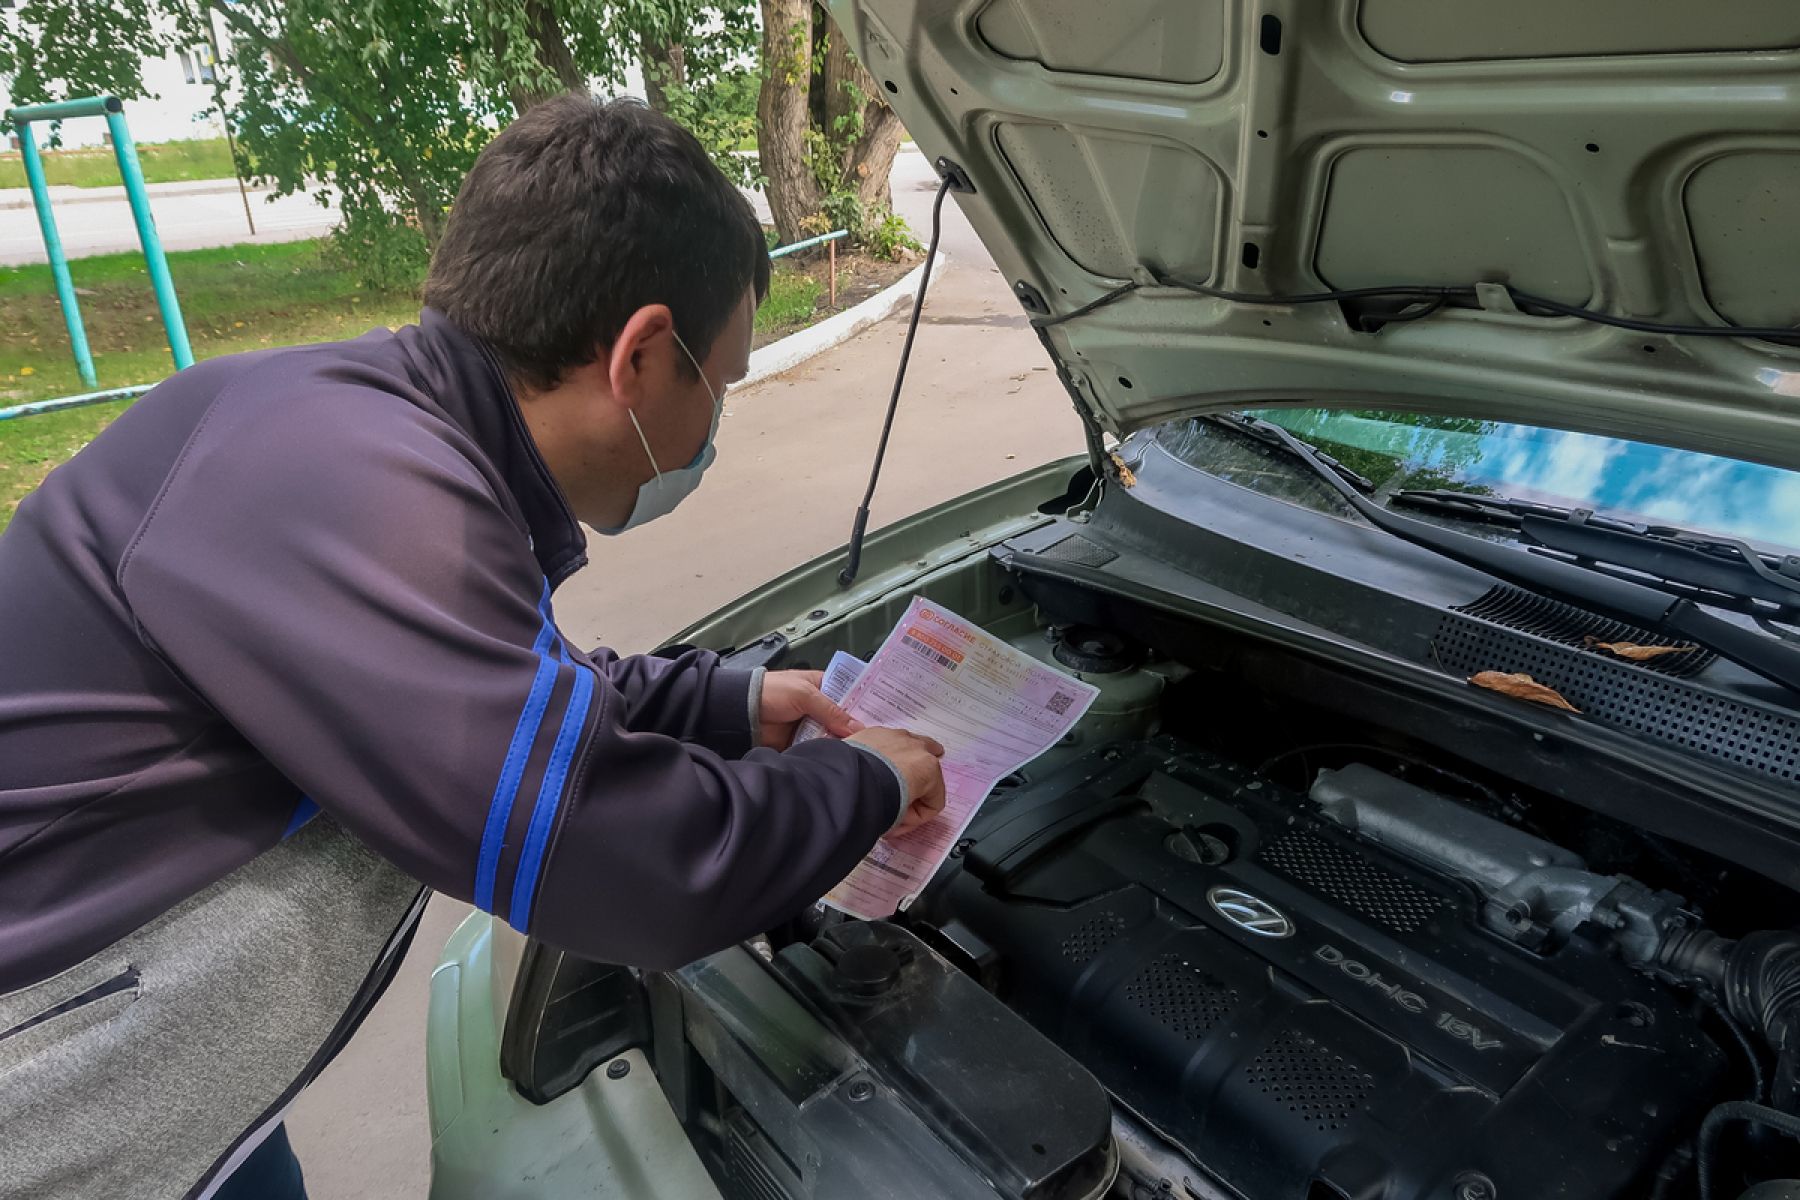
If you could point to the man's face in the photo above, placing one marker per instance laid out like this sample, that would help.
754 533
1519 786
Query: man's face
587 427
677 416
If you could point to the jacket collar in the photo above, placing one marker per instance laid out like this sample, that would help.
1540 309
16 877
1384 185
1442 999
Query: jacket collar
464 377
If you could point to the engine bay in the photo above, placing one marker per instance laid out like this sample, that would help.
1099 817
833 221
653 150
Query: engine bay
1304 1011
1215 947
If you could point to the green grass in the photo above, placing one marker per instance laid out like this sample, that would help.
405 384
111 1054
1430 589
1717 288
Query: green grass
792 298
163 162
234 298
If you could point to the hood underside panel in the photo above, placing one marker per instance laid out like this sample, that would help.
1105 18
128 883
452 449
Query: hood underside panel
1636 157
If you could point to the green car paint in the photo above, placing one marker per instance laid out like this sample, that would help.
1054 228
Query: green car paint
614 1135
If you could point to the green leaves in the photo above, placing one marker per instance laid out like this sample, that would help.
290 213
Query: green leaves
56 50
382 105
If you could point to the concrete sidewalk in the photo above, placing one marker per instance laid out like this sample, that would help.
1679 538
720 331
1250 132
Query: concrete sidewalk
981 403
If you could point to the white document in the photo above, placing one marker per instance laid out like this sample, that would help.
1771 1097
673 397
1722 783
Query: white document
994 709
839 675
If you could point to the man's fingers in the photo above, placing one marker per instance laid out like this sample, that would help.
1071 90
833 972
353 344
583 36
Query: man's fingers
932 745
825 711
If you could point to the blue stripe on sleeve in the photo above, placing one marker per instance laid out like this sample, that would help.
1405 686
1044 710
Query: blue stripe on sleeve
549 798
304 810
512 770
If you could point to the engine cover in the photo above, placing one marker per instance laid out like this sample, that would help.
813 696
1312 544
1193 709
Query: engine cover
1306 1014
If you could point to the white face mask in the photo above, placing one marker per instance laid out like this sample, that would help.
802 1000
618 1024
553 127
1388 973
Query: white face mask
658 496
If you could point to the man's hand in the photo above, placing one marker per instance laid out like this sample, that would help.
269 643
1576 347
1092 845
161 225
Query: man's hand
790 696
917 757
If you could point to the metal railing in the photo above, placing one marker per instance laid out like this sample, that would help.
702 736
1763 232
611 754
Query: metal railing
131 173
829 241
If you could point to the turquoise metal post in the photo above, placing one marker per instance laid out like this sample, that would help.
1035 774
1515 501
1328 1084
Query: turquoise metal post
809 243
59 265
133 174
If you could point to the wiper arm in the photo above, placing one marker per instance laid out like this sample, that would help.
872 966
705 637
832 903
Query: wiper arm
1731 570
1250 427
1621 599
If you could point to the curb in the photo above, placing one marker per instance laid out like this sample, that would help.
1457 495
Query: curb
789 352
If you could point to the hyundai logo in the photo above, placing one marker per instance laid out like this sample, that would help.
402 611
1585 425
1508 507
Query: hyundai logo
1252 914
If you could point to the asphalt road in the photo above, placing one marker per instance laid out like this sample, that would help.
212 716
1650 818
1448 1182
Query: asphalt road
188 217
205 213
981 404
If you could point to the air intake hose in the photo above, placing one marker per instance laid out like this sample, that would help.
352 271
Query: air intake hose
1758 979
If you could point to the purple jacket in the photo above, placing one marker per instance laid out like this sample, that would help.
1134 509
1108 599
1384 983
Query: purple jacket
321 576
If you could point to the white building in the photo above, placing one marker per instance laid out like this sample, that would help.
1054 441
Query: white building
180 87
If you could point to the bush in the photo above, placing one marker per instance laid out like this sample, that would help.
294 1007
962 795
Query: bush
889 237
381 251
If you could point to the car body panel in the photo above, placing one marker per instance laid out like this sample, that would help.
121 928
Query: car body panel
608 1137
1645 163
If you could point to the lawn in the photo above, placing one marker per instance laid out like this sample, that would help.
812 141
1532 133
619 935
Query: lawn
793 295
243 297
235 298
95 166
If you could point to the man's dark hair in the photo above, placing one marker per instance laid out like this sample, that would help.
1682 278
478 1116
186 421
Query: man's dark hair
580 213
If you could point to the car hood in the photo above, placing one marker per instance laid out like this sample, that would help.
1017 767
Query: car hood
1637 159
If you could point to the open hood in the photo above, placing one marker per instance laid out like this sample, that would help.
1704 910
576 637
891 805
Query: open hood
1639 159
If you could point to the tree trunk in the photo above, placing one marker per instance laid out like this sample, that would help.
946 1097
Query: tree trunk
781 115
552 50
664 64
430 220
867 150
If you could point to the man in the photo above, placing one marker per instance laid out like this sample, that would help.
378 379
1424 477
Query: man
278 647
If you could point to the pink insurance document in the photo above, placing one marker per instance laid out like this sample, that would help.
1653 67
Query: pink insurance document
993 707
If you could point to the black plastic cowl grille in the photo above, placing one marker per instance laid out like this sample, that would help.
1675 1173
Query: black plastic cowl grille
1639 698
1566 625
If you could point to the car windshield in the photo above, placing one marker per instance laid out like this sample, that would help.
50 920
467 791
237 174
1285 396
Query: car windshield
1634 481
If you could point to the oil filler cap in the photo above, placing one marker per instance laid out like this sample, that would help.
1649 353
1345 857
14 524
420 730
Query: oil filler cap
867 970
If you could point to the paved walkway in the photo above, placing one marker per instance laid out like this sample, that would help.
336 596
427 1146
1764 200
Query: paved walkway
981 404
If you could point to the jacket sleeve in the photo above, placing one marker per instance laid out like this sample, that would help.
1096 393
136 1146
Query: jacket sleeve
339 581
690 696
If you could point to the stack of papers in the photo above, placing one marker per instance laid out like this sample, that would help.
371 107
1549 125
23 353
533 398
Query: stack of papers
994 708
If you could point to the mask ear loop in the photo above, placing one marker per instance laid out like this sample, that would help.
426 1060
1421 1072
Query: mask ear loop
646 443
716 398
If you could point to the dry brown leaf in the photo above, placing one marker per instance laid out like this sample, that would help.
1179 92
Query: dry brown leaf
1635 652
1126 476
1521 687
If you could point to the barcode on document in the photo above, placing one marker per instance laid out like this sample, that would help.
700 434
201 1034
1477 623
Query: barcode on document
1059 703
896 872
942 660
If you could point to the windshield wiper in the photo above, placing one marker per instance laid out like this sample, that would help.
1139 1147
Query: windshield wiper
1250 427
1721 571
1604 592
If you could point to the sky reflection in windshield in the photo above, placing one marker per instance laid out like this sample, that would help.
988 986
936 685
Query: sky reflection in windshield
1630 479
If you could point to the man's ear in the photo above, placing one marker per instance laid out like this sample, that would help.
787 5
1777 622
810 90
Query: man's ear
638 360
